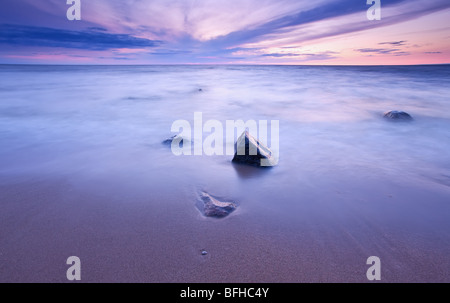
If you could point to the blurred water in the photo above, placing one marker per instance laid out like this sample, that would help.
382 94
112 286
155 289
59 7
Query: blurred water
83 172
111 120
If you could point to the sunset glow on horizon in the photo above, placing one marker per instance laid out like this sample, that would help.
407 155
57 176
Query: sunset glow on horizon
324 32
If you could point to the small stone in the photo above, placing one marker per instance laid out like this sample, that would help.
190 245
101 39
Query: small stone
396 115
177 139
169 140
211 207
204 252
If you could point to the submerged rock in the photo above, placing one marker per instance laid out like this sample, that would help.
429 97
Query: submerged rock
249 150
177 139
397 115
211 207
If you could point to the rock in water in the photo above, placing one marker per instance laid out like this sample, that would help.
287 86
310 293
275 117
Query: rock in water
397 115
249 150
177 139
214 208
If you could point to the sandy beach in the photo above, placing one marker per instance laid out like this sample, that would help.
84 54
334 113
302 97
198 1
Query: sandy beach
126 232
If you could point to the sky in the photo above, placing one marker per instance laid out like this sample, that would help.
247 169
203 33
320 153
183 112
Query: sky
304 32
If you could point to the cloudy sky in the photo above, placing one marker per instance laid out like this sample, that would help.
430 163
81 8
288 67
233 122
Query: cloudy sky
225 32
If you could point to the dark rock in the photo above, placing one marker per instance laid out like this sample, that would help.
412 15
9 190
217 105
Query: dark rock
397 116
200 90
178 139
169 140
211 207
249 150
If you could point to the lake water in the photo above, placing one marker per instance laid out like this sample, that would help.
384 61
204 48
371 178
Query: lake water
101 128
112 119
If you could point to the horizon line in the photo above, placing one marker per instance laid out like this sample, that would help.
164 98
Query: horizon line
222 64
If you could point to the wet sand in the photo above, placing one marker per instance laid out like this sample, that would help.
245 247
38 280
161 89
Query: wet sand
138 232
